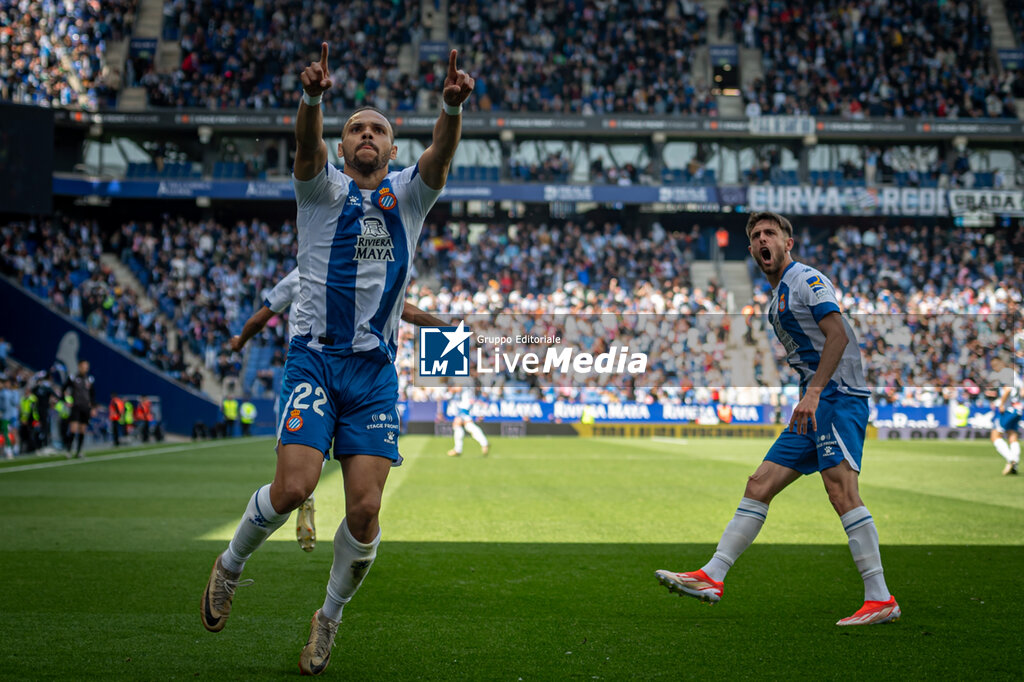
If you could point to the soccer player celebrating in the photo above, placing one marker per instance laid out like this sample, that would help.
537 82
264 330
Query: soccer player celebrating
283 296
357 231
825 433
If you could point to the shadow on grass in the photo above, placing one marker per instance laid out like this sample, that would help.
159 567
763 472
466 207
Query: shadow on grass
507 611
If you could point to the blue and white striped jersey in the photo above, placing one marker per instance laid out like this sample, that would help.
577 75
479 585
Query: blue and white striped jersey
355 257
1007 377
802 299
285 294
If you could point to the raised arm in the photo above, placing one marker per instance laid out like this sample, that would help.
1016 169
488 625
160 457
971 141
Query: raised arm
310 148
421 318
436 159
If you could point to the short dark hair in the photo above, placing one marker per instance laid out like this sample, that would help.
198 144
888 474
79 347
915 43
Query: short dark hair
779 220
370 107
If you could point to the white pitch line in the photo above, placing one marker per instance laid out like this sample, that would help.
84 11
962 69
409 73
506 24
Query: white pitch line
125 455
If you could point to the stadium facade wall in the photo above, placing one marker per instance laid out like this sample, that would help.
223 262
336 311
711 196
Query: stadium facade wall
787 199
39 335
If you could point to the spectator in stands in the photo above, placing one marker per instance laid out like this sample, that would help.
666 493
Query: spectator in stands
54 54
928 58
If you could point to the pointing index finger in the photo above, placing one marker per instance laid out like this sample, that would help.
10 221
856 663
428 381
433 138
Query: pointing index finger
452 56
323 56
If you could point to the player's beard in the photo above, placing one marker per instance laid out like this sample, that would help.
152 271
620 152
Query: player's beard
367 167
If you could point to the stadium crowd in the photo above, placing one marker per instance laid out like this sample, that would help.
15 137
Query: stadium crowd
583 58
250 54
59 260
948 297
53 53
206 276
852 59
863 58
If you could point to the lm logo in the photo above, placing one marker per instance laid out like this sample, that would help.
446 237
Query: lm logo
444 351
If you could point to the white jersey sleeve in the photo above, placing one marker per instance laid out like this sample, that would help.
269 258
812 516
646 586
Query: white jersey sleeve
419 199
284 293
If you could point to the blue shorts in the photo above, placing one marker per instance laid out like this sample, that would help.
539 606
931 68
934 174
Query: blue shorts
347 399
842 423
1009 420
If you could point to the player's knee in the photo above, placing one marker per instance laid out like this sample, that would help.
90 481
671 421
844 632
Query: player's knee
363 508
290 495
757 489
843 499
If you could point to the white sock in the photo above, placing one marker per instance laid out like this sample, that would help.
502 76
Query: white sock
739 534
259 522
460 435
1003 448
477 433
1015 452
860 528
352 561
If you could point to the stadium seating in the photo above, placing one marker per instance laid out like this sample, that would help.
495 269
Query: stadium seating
171 169
857 59
53 54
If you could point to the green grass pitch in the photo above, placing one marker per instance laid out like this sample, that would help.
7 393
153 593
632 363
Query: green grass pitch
535 563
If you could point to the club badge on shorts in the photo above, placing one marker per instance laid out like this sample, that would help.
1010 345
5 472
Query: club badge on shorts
294 422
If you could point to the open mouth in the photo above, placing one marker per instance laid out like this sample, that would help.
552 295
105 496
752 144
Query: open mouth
766 254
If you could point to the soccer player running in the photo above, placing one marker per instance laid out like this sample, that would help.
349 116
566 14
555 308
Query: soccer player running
825 433
1005 434
357 231
462 424
283 296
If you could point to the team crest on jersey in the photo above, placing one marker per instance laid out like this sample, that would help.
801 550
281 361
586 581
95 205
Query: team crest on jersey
375 243
294 422
386 200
